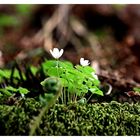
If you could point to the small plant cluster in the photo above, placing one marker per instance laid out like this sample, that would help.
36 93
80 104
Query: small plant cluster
14 81
111 119
9 90
76 81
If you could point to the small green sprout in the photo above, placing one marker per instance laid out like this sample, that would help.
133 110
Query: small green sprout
82 101
34 70
23 90
51 85
9 90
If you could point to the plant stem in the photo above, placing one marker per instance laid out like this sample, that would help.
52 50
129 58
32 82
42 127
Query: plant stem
57 68
62 98
68 96
64 95
89 97
59 77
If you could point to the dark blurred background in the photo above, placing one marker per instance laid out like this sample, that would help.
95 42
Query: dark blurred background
107 35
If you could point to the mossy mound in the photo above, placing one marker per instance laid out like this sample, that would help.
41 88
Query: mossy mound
74 119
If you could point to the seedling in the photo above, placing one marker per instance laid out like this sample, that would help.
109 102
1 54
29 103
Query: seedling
9 90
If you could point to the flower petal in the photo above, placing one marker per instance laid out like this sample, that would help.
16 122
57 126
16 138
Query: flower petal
55 53
51 52
55 50
84 62
61 52
81 61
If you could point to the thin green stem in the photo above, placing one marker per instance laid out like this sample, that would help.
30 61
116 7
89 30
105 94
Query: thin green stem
68 96
64 94
59 77
62 97
57 68
89 97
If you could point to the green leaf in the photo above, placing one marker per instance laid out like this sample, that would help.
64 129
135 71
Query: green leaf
88 69
6 92
85 70
5 73
95 90
89 83
66 64
94 81
70 76
136 89
23 90
49 63
16 74
10 88
55 72
34 70
82 101
64 82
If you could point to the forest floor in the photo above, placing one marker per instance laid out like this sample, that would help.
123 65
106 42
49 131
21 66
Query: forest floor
107 35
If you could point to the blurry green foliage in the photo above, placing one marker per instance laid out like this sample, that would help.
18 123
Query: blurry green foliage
15 19
101 33
8 20
136 89
24 9
9 91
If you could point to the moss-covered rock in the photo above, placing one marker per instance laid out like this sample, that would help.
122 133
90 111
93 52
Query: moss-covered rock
74 119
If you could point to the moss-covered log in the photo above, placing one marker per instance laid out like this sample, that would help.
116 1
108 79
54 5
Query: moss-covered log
92 119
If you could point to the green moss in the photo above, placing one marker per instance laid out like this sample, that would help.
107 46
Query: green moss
92 119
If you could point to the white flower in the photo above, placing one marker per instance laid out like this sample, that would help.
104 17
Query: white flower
56 53
94 75
84 62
